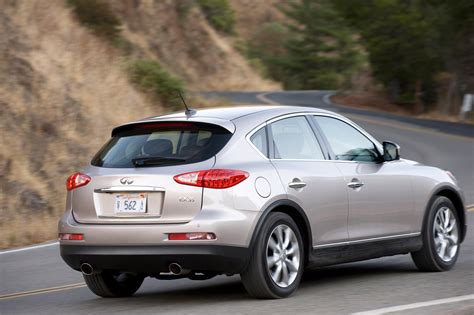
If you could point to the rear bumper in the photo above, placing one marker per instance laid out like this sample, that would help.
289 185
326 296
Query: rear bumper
232 227
155 259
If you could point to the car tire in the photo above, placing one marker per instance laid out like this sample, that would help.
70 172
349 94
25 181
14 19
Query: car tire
277 260
110 284
439 231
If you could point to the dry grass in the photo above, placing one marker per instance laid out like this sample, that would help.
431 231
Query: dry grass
25 230
251 14
379 101
187 46
62 89
372 100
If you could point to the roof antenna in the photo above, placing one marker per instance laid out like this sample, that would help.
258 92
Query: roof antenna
188 111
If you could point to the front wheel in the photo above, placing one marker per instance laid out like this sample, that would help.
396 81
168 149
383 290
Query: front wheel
440 238
277 261
113 284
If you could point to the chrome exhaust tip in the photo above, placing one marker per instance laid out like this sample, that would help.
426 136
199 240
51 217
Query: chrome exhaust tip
87 269
176 269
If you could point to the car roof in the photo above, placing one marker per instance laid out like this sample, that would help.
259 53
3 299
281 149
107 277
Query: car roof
228 117
235 112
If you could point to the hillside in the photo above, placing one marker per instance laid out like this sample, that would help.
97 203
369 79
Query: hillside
251 15
187 45
62 89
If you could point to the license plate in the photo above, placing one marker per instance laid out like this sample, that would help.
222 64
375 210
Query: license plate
130 203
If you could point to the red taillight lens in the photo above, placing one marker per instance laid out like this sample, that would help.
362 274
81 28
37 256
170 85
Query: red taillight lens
77 180
191 178
71 237
191 236
215 178
224 178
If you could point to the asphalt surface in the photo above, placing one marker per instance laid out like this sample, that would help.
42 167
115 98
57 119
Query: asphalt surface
42 284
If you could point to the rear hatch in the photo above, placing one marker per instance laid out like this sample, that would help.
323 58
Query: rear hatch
132 175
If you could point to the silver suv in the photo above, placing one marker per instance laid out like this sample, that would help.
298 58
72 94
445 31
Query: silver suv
264 192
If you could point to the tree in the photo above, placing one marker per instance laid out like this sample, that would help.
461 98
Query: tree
321 51
402 44
267 46
219 13
455 22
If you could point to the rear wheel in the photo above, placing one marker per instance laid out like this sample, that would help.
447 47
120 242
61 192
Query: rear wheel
440 238
276 264
113 284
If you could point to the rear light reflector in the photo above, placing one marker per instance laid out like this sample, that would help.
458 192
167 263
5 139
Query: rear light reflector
215 178
191 236
77 180
71 237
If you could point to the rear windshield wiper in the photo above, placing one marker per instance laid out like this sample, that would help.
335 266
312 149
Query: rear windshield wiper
155 160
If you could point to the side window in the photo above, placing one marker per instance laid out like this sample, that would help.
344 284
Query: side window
293 138
259 140
346 142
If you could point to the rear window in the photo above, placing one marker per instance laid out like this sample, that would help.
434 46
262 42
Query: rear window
161 144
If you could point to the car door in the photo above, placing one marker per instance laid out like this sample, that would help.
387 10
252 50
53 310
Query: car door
379 193
310 180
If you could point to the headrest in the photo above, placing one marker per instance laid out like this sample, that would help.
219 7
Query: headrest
203 142
158 147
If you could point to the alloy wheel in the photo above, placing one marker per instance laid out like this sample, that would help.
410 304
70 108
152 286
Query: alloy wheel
445 233
283 256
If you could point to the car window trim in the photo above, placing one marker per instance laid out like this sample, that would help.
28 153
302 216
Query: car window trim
264 128
374 142
270 146
270 138
249 140
329 158
271 143
321 140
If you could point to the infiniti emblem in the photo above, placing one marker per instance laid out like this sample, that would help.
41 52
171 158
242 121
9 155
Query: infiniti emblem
126 181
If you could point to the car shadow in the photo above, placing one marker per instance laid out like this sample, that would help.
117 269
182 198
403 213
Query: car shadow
230 289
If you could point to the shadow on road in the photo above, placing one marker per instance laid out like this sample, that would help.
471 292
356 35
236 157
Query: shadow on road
231 290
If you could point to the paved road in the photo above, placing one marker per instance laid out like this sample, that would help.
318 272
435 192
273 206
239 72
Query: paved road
44 285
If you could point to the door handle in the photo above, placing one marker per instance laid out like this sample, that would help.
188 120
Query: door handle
296 183
355 183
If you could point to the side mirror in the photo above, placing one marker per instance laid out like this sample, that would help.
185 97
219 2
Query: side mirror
391 151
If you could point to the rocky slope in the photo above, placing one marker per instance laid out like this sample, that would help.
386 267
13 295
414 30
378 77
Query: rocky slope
62 89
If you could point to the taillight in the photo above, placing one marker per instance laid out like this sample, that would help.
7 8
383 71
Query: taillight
215 178
194 236
71 237
77 180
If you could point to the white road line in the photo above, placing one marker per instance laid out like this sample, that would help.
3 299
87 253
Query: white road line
27 248
405 307
42 291
326 99
262 97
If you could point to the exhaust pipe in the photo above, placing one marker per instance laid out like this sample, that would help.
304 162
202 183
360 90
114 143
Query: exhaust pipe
176 269
87 269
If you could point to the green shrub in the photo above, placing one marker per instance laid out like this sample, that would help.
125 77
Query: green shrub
151 78
219 13
266 44
98 16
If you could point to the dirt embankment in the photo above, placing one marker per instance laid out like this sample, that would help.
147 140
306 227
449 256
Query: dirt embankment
62 89
186 44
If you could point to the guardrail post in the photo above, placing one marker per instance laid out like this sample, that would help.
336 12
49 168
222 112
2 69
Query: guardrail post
467 105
